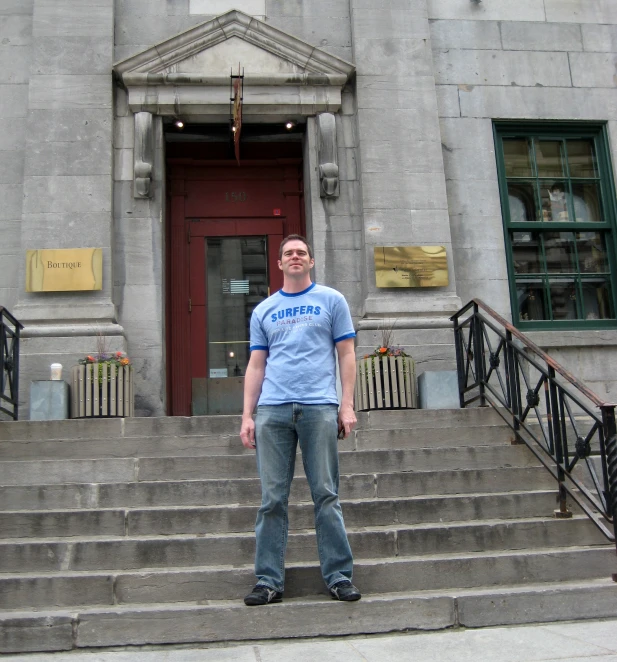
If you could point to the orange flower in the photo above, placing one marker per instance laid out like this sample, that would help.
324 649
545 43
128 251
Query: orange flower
124 361
383 350
90 358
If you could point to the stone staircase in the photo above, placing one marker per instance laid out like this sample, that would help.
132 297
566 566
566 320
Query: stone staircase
140 532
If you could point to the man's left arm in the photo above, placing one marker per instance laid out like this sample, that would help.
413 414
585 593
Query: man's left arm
347 368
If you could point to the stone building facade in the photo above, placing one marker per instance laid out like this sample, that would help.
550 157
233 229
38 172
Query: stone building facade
410 121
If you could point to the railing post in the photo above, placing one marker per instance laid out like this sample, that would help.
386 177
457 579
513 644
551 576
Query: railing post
3 344
554 420
514 392
610 443
16 343
478 353
9 362
460 362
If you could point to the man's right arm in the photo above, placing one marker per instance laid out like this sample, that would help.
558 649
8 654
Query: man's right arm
253 381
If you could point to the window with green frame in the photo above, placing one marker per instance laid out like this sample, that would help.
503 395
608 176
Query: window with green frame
558 207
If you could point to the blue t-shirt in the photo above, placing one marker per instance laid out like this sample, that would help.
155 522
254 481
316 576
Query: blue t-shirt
299 332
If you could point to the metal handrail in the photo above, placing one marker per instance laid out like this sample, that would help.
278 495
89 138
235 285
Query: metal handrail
499 366
10 329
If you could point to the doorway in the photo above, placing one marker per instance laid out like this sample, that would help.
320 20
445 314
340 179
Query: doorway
224 231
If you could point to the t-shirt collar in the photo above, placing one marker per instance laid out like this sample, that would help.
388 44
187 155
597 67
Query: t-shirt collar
297 294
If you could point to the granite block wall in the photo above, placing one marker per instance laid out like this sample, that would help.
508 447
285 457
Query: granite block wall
139 224
65 198
415 152
401 170
15 58
529 60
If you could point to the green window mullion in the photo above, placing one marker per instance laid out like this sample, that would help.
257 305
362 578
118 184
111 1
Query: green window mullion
577 281
564 226
610 240
566 160
580 303
543 253
503 181
534 170
548 305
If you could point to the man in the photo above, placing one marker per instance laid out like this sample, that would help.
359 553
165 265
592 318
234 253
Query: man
291 376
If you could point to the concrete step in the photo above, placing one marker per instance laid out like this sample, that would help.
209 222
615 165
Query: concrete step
244 466
141 625
351 462
178 426
212 435
174 520
113 487
205 445
68 588
138 552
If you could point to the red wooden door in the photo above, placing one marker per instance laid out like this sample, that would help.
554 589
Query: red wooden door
225 221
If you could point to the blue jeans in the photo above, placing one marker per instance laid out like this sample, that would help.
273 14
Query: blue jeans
278 428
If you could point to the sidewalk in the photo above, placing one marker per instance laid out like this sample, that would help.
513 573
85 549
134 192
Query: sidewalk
594 641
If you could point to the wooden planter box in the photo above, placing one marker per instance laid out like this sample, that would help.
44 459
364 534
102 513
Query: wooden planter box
102 392
386 382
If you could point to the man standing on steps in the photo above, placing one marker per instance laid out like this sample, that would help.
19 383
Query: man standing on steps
291 376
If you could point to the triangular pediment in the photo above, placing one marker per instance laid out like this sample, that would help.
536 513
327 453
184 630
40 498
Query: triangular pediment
214 48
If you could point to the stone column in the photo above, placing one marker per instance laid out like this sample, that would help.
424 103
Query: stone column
68 178
401 166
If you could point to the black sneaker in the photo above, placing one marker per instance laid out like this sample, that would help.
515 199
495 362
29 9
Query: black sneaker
263 595
345 591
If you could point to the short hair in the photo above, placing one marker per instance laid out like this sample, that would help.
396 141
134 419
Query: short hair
295 237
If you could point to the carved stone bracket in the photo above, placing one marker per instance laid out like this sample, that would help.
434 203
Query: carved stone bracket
328 156
142 173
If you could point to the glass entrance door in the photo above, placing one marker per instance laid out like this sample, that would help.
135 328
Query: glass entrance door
236 281
233 268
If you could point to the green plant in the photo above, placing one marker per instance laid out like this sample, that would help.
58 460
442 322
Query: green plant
102 356
387 348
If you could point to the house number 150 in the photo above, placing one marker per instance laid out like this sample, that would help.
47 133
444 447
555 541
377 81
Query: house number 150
235 197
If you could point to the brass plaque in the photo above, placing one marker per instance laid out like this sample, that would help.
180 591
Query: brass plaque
64 270
411 266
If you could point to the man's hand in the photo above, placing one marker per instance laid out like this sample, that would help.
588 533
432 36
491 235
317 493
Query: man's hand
247 432
346 419
253 379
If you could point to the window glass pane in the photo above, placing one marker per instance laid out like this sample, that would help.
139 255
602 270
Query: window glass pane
586 200
554 202
592 257
526 253
517 158
559 266
563 300
530 295
549 158
582 158
522 200
559 250
597 300
236 282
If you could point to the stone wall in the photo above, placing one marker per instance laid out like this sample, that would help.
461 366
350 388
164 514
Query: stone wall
531 59
15 56
139 224
67 179
415 152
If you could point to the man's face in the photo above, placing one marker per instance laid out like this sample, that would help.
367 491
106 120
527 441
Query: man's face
295 261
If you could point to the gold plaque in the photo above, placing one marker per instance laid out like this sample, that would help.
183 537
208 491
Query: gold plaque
411 266
64 270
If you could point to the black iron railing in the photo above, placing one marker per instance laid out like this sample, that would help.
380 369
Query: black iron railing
9 363
547 408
